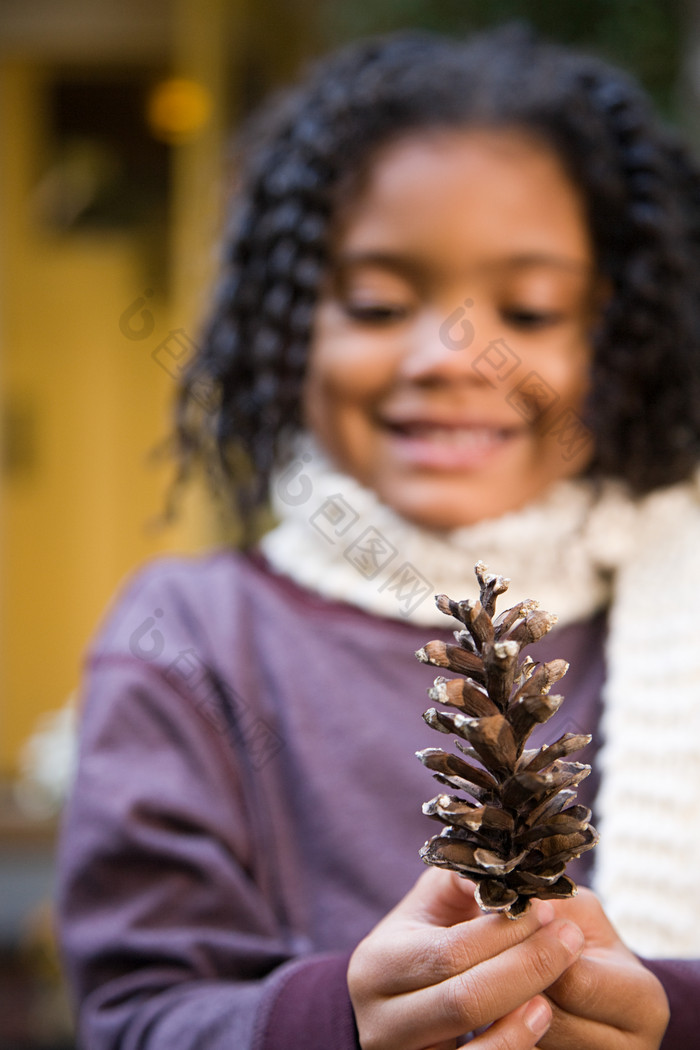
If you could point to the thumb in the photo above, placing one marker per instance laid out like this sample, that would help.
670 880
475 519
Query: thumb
439 898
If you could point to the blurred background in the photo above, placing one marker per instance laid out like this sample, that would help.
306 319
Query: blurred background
115 119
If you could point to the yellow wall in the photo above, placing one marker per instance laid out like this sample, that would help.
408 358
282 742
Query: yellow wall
75 518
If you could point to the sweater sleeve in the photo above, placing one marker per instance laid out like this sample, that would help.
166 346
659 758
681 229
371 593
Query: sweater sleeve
169 937
681 981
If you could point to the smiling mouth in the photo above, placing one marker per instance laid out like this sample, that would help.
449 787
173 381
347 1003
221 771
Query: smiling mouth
449 447
466 436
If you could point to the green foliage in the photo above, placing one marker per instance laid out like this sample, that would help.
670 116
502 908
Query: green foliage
642 36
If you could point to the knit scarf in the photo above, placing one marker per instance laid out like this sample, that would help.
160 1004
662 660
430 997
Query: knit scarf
581 547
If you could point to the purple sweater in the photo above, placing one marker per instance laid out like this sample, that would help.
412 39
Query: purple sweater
248 806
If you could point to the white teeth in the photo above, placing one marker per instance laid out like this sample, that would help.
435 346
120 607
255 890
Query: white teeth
465 437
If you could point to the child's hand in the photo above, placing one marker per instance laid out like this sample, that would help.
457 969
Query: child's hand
607 1000
436 967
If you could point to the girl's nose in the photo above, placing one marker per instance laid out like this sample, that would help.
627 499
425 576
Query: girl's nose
457 330
446 345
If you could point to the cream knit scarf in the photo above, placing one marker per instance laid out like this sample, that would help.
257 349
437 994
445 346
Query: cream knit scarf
576 550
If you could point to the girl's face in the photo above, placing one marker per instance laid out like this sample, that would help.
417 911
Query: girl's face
451 351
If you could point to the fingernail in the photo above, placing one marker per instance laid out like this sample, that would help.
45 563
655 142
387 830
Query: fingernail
537 1016
572 937
544 910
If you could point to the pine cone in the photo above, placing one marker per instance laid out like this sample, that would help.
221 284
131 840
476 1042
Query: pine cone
517 836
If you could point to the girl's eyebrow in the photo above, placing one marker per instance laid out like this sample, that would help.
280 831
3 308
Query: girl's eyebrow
416 269
547 259
404 265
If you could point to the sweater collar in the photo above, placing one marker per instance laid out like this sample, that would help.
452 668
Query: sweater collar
337 538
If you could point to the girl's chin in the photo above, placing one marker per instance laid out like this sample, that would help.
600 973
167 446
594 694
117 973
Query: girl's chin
444 507
443 502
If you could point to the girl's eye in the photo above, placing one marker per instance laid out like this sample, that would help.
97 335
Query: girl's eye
376 313
524 318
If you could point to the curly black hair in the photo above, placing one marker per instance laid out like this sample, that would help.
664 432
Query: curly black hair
640 186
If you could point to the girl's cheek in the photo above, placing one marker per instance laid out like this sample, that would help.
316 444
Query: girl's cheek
571 370
564 364
351 364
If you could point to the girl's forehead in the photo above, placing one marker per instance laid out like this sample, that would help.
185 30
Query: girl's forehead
500 196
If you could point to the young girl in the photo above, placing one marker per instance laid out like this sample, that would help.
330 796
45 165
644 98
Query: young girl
459 320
